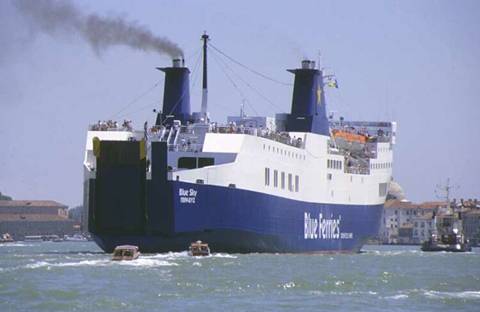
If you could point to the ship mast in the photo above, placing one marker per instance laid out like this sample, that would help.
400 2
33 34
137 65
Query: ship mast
445 191
204 84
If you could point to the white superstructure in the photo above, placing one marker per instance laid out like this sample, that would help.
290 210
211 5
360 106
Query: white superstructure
295 165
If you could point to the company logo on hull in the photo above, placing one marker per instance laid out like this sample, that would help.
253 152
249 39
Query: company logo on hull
187 196
323 228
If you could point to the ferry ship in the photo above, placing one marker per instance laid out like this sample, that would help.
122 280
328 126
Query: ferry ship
294 183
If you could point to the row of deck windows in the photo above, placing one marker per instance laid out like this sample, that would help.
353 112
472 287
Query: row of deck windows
291 184
381 165
283 152
334 164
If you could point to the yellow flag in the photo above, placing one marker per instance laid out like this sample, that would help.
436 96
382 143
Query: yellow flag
319 94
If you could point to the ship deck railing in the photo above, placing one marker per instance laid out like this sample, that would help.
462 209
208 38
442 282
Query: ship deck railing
281 137
357 170
96 127
189 148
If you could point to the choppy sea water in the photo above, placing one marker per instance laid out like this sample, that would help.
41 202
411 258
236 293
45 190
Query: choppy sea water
72 276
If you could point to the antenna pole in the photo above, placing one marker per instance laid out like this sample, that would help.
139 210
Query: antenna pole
447 193
204 84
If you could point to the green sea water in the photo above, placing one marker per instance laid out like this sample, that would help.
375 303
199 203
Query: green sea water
73 276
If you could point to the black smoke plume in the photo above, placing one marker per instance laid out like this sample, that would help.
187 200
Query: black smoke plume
63 18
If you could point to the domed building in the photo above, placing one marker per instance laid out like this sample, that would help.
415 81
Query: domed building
395 192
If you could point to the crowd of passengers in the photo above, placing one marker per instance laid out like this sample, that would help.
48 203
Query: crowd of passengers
105 125
282 137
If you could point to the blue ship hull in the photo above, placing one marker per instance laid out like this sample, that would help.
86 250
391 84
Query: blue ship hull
240 221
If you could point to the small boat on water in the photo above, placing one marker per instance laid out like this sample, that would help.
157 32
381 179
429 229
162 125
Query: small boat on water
448 233
448 236
199 249
6 238
125 252
75 238
33 238
72 238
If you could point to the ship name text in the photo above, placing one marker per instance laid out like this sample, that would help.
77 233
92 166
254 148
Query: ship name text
323 228
187 196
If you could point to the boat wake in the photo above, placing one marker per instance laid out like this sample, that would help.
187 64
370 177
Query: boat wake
148 260
433 294
142 262
185 255
469 294
17 244
391 253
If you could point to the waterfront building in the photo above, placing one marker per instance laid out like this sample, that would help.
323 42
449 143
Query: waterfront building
471 224
404 222
22 218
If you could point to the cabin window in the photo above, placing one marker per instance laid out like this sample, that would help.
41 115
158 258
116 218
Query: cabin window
193 162
187 163
297 185
329 176
275 178
290 182
382 190
282 180
267 176
205 161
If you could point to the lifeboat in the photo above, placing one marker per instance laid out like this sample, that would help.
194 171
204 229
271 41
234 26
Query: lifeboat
349 141
350 137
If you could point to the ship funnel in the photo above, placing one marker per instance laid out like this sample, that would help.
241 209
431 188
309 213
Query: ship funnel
176 95
307 64
308 112
178 63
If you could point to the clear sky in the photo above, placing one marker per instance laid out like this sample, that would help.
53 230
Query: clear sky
415 62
